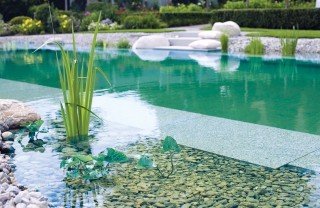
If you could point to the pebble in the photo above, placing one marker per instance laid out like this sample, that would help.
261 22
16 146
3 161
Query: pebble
7 136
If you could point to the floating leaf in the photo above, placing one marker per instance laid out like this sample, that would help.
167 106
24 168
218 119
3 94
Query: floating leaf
145 162
84 158
170 144
115 156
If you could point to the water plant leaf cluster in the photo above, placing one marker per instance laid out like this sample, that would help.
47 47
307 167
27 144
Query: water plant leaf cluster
170 147
91 167
33 129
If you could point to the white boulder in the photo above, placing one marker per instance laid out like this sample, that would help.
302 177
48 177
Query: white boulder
210 34
231 28
205 44
14 113
150 41
151 55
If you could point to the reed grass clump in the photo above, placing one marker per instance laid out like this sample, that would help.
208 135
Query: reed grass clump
289 44
77 84
123 44
255 47
224 39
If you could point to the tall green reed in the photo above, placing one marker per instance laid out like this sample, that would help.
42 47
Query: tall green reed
77 86
289 44
224 39
255 47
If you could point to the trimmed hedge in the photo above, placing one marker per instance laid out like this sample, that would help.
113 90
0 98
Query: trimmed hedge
255 18
184 19
271 18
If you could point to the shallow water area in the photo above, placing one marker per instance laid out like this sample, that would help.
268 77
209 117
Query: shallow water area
196 97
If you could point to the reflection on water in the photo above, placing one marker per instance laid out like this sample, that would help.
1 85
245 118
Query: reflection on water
278 93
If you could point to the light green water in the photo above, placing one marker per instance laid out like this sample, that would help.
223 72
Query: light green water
278 93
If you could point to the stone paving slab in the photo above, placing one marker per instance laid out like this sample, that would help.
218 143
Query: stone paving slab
310 161
262 145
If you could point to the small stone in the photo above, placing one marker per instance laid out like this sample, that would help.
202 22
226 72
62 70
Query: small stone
159 205
35 194
186 206
13 189
32 206
4 197
21 205
7 136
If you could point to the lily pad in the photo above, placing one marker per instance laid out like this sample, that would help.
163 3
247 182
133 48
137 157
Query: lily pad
145 162
115 156
170 144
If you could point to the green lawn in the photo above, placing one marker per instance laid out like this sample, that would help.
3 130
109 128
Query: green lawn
261 32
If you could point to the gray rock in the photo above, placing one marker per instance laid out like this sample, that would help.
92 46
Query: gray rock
7 136
7 149
21 205
33 206
14 113
13 189
5 186
4 197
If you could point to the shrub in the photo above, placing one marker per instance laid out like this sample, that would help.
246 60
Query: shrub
181 8
188 18
224 39
255 47
65 23
288 45
123 44
30 26
107 10
18 20
269 18
41 12
92 17
254 4
141 22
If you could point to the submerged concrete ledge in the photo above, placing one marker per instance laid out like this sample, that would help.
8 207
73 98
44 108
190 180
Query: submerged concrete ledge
257 144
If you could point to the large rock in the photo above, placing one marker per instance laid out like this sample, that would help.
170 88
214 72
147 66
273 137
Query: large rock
150 41
230 28
205 44
210 34
14 113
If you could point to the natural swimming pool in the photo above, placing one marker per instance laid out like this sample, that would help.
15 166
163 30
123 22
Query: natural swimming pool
273 92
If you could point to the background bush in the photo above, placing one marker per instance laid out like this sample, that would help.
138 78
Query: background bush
183 19
254 4
141 22
107 10
18 20
182 8
271 18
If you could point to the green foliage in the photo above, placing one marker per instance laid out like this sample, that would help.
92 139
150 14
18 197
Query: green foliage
123 44
87 20
18 20
41 12
65 23
115 156
91 167
107 10
141 22
183 19
181 8
254 4
288 45
30 26
77 89
33 129
224 39
170 147
255 47
270 18
145 162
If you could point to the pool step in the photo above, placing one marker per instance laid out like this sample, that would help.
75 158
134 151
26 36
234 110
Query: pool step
182 41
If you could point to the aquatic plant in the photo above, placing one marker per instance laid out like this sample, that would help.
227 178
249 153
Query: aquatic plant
255 47
123 44
77 89
33 129
224 39
289 44
170 147
91 167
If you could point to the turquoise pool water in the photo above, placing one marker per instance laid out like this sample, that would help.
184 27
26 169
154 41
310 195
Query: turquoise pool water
280 93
